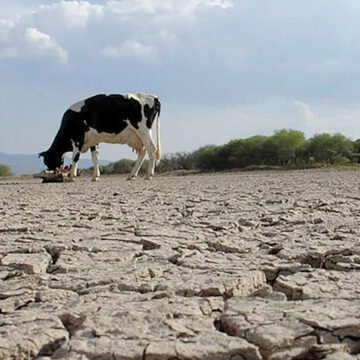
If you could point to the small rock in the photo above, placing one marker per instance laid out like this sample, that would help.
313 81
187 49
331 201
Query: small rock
36 263
245 222
275 249
149 245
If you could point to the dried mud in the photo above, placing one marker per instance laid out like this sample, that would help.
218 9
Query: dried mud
240 266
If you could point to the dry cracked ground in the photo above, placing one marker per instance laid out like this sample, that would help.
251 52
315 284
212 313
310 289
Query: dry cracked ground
262 265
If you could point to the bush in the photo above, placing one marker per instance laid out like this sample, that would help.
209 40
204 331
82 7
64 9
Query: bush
178 161
283 148
4 170
123 166
207 158
286 147
332 149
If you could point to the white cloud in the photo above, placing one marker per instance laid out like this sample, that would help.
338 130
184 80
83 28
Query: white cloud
43 45
328 118
130 49
304 112
131 7
191 6
151 26
221 3
331 119
73 14
165 10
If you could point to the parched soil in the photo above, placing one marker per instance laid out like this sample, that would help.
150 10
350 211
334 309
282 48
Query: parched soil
242 266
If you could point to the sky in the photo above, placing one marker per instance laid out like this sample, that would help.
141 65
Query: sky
223 69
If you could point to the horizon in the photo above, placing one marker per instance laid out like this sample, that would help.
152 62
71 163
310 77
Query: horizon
222 69
86 156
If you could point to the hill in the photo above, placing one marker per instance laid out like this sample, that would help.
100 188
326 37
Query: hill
27 164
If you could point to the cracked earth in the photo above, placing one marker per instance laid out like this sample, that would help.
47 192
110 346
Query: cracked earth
240 266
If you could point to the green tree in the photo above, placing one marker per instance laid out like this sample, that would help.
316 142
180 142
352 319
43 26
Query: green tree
4 170
356 157
241 152
332 149
283 147
357 146
123 166
252 151
230 154
207 158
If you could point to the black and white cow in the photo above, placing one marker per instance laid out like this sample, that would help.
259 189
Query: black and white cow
123 119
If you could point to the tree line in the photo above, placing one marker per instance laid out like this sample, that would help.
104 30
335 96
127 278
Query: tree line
285 148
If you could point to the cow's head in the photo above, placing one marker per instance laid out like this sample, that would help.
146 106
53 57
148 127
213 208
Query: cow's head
51 160
151 109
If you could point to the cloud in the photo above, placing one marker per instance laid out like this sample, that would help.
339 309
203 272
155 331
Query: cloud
43 45
304 112
170 10
113 29
191 6
221 3
128 8
329 118
19 42
71 14
129 49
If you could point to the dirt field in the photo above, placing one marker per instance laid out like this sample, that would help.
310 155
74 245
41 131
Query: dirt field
262 265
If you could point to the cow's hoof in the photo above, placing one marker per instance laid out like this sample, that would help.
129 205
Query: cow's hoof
94 179
148 178
129 178
70 179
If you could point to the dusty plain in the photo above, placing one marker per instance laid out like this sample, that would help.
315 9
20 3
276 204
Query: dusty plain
238 266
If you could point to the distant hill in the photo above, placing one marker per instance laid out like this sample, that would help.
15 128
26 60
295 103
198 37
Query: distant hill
24 164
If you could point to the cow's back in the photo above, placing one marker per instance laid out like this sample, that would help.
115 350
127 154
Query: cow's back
110 113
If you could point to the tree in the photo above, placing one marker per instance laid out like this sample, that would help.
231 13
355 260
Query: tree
178 161
123 166
207 158
241 152
252 151
230 154
4 170
332 149
283 147
356 157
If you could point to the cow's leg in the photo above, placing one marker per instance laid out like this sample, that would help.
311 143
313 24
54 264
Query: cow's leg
95 161
137 166
152 160
150 147
75 162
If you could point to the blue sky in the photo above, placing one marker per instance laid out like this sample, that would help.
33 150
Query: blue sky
223 68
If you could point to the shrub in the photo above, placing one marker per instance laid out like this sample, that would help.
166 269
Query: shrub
4 170
332 149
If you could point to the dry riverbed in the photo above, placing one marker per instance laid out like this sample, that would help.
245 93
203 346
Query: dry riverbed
241 266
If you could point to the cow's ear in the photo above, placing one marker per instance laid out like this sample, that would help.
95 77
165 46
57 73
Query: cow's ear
42 154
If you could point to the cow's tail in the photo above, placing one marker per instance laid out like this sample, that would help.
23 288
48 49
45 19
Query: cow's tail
158 144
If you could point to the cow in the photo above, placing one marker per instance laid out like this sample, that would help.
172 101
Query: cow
123 119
